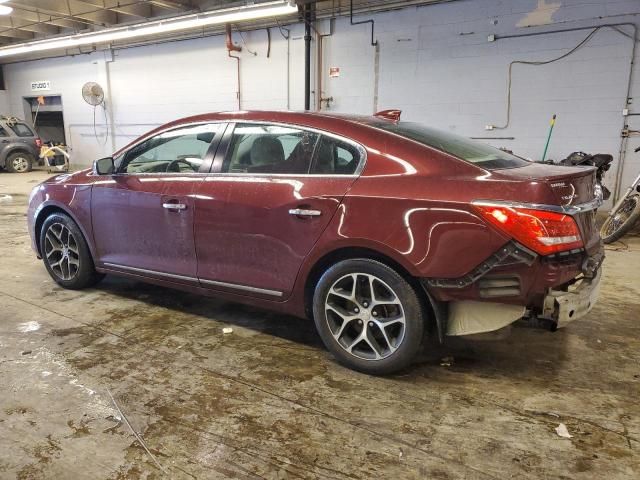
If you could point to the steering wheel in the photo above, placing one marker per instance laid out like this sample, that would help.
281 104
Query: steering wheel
172 166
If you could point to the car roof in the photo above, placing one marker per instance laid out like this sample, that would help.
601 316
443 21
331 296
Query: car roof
285 116
346 124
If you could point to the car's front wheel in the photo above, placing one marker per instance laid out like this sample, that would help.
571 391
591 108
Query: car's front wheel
368 316
19 162
66 254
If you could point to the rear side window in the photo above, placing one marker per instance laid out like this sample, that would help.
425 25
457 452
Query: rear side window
263 148
22 130
335 157
478 153
3 132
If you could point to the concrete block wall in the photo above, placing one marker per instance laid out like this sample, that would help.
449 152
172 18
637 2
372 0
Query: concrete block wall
435 64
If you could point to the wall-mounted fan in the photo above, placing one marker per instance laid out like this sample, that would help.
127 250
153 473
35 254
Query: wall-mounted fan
93 93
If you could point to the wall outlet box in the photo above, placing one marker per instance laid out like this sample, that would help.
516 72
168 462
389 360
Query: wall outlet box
488 127
491 38
625 112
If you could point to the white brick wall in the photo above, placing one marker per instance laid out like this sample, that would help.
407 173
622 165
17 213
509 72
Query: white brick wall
435 64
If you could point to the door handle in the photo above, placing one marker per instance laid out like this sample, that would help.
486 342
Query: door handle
174 206
303 212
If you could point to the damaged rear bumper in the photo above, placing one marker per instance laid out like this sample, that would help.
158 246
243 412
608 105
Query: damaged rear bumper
555 290
563 307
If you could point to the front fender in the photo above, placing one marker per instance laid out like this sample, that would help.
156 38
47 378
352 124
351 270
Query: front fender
79 213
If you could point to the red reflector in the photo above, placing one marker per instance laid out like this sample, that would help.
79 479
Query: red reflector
542 231
38 142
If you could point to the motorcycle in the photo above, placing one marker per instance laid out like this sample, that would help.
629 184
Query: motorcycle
624 214
601 161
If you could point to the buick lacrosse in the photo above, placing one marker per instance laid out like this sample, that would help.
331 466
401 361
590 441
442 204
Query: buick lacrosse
382 231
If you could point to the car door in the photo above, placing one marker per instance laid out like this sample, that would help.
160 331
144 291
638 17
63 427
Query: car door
143 214
273 191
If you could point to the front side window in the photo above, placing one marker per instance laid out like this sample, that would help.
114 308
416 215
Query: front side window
181 150
478 153
22 130
3 132
262 148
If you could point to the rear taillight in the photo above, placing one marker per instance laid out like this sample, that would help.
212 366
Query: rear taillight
542 231
38 142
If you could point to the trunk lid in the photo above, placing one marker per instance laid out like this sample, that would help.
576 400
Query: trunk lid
565 186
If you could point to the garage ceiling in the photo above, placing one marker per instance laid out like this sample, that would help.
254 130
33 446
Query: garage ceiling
38 19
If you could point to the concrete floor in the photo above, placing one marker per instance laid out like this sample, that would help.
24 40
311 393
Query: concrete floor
267 401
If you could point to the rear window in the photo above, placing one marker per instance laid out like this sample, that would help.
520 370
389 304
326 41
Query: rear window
22 130
478 153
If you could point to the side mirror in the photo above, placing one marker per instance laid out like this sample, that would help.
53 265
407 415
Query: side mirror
103 166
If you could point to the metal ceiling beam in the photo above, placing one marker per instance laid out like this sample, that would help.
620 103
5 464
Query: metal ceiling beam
140 9
60 21
174 5
20 35
71 8
11 23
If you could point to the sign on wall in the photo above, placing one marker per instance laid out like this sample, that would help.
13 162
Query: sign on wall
334 72
40 85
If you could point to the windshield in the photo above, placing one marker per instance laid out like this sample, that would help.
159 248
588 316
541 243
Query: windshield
478 153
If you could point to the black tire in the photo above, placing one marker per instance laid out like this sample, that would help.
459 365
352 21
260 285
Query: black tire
626 217
61 238
19 162
378 354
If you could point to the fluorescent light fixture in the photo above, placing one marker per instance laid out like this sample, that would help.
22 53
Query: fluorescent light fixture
4 10
186 22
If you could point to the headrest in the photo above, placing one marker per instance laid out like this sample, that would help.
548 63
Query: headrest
266 150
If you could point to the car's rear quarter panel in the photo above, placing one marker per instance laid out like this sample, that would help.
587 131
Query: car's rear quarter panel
413 204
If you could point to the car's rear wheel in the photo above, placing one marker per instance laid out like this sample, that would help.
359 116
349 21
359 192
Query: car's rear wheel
66 254
368 316
19 162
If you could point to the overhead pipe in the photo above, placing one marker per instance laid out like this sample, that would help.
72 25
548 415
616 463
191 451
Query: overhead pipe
232 47
628 94
321 37
374 43
308 10
376 58
287 37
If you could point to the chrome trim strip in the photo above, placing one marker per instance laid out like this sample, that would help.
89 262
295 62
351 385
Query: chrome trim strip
218 175
246 288
152 272
566 209
361 149
264 291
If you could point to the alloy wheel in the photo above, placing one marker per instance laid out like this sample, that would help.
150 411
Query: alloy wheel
61 251
365 316
20 164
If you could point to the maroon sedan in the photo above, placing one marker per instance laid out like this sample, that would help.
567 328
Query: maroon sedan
380 230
